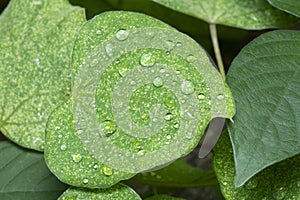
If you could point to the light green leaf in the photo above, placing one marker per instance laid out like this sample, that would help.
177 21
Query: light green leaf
265 81
36 39
163 197
24 175
279 181
143 92
290 6
247 14
117 192
178 174
68 160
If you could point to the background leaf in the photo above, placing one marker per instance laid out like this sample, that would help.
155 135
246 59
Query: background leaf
117 192
138 98
247 14
279 181
265 81
24 175
36 39
163 197
290 6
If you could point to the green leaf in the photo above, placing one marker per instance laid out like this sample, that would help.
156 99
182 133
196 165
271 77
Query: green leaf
143 92
247 14
163 197
24 175
265 81
117 192
178 174
279 181
36 39
68 160
289 6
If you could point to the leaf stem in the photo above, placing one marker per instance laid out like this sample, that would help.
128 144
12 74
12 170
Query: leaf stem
214 39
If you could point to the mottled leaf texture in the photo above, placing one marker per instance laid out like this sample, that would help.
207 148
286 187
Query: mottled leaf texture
290 6
36 39
246 14
279 181
265 81
24 175
117 192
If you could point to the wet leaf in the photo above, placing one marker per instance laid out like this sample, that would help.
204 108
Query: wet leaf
247 14
265 81
117 192
24 175
163 197
36 39
290 6
279 181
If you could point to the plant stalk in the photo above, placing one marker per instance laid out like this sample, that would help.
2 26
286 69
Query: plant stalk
214 39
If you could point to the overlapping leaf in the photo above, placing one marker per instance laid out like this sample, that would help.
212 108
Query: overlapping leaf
279 181
247 14
290 6
24 175
36 39
265 81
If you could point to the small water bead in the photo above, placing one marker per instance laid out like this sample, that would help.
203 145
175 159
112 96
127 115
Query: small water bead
191 58
85 181
168 137
141 152
168 117
178 44
279 194
123 71
144 116
176 126
107 170
63 147
108 127
187 87
98 32
162 70
77 158
122 35
147 60
201 96
95 166
158 82
189 135
220 96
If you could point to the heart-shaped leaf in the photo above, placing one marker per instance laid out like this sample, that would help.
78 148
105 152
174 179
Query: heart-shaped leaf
265 81
143 92
24 175
247 14
279 181
290 6
117 192
163 197
36 39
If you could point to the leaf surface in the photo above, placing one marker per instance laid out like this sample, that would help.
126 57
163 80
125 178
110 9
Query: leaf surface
290 6
265 81
163 197
117 192
247 14
36 39
24 175
279 181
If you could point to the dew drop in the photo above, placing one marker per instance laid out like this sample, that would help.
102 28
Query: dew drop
85 181
141 152
108 49
191 58
201 96
122 35
63 147
95 166
162 70
98 32
187 87
168 137
176 126
77 158
189 135
144 116
147 60
108 127
279 194
220 96
107 171
168 117
158 82
123 71
178 44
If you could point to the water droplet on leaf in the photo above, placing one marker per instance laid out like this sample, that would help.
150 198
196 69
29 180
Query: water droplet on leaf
63 147
108 127
201 96
168 117
187 87
220 96
191 58
123 71
77 158
107 171
147 60
85 181
158 82
122 35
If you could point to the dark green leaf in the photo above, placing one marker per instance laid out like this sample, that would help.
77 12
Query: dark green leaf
117 192
290 6
24 175
247 14
265 81
163 197
36 39
279 181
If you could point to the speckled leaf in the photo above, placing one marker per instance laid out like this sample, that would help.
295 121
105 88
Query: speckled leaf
68 160
265 81
290 6
36 39
163 197
279 181
178 174
247 14
24 175
143 92
117 192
